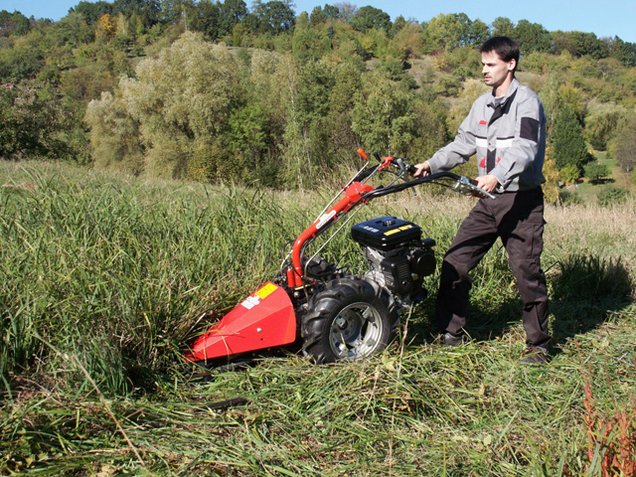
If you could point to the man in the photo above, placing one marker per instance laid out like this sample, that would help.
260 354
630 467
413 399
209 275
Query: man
506 130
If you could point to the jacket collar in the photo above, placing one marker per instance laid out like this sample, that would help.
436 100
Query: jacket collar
512 89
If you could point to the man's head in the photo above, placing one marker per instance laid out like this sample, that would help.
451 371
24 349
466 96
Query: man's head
499 57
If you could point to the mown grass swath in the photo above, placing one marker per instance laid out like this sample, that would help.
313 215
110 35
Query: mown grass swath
105 277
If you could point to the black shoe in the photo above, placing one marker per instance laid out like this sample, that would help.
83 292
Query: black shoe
535 355
450 339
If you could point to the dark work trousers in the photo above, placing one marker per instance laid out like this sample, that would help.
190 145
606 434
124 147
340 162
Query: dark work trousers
516 218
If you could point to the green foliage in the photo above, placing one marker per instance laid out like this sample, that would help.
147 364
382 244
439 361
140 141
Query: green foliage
104 279
612 196
383 116
430 131
532 36
309 43
567 141
449 31
13 24
114 135
184 95
624 144
579 44
503 26
305 109
92 11
274 16
595 171
570 173
568 197
600 128
28 122
368 17
463 62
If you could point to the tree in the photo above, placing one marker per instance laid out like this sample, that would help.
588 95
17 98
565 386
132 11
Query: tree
13 23
274 17
207 19
29 122
92 11
367 18
449 31
532 37
624 145
179 102
148 10
623 51
600 128
579 44
231 13
502 26
383 115
114 135
430 131
309 43
105 28
595 171
568 144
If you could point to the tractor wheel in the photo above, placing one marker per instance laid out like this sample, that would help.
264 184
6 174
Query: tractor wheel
347 320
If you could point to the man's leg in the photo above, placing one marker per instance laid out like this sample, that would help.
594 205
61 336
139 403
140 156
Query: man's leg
474 238
523 239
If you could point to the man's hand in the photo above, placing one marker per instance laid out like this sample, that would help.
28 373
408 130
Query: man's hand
489 183
422 170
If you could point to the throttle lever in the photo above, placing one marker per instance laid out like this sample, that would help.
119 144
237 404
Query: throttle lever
405 166
465 184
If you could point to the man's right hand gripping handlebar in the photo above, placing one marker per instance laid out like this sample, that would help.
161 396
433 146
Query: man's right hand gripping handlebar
422 169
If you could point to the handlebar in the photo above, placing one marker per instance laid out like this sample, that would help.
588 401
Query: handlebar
463 184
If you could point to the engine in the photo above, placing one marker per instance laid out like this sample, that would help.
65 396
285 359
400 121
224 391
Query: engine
398 257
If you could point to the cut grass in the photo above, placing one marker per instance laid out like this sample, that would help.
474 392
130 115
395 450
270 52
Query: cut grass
104 278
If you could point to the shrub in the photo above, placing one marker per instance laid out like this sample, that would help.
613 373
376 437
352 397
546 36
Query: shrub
595 171
569 198
570 174
612 196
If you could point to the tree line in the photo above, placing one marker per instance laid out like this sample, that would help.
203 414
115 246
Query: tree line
215 91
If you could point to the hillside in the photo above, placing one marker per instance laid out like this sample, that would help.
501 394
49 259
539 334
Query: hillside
216 92
104 277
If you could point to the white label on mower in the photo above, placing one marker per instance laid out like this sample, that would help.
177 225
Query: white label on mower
325 218
250 302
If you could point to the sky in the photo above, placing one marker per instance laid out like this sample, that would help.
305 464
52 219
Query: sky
605 18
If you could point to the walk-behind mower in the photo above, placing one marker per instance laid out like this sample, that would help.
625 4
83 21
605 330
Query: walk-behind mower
332 313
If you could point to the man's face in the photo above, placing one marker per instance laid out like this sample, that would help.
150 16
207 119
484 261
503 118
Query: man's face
495 70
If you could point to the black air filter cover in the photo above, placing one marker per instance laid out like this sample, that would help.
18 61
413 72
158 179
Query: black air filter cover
385 233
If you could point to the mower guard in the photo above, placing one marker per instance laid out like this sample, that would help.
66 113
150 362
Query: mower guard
264 319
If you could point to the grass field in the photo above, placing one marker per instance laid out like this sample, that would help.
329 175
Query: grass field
104 278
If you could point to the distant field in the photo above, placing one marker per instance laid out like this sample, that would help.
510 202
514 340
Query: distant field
103 278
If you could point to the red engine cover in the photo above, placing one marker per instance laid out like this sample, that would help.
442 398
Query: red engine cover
263 320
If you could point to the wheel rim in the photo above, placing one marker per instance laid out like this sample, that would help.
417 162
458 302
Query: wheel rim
355 332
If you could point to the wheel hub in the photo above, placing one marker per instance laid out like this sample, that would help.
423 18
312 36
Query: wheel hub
355 331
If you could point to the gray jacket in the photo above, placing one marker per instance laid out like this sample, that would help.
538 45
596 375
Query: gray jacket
509 139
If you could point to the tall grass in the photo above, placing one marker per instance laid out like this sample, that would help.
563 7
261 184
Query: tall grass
103 278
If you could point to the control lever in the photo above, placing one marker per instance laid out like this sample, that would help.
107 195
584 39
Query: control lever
469 186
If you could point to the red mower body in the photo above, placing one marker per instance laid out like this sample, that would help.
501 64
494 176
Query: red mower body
265 319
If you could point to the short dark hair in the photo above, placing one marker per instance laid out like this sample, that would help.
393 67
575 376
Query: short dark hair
506 48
